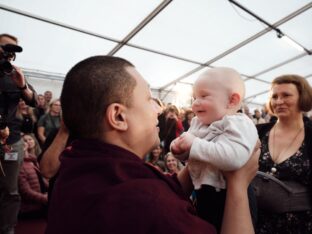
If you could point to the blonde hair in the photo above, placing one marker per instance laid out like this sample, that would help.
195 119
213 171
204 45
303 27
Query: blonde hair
52 103
30 112
179 164
37 146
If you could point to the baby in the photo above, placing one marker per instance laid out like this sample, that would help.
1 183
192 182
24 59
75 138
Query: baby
219 138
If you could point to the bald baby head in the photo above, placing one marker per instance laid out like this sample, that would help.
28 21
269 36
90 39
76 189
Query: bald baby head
226 77
226 80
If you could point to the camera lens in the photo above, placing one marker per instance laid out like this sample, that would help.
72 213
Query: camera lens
6 67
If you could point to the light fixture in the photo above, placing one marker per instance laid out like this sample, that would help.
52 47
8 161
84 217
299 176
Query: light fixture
291 42
280 34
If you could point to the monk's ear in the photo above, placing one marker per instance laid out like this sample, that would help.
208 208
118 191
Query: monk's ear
116 116
234 100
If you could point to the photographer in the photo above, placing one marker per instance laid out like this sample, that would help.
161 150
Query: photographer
13 86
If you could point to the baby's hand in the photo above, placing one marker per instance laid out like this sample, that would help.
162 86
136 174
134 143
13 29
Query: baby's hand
180 147
175 146
186 141
182 144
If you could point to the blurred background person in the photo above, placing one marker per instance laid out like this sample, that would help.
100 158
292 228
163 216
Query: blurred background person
32 186
173 165
41 108
246 111
173 127
50 121
265 113
257 119
48 97
13 87
39 111
156 158
188 116
26 114
33 147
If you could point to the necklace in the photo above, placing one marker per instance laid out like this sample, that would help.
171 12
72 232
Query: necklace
276 159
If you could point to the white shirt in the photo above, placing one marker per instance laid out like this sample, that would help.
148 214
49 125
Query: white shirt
226 145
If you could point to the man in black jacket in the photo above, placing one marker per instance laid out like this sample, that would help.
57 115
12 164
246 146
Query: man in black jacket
13 87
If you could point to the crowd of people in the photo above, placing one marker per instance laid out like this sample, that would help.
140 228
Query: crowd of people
19 171
130 163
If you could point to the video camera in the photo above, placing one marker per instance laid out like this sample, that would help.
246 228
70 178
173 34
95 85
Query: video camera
6 55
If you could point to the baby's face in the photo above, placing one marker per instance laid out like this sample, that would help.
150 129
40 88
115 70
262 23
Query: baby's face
210 100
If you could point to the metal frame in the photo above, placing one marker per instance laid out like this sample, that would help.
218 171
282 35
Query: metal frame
147 20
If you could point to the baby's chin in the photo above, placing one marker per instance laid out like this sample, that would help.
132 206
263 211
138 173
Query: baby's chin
204 121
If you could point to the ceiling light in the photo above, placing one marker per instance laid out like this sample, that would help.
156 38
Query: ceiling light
280 34
293 43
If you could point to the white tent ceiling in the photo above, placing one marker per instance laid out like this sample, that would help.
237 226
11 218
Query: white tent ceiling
170 42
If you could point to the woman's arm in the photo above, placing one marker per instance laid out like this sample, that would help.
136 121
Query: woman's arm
50 162
41 135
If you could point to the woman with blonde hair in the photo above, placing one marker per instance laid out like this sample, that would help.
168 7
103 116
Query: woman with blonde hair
173 165
27 117
49 121
33 145
32 186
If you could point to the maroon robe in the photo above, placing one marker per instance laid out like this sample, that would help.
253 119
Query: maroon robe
103 188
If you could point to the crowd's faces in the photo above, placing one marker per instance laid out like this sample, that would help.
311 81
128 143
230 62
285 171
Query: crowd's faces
264 110
22 104
142 116
56 107
190 116
156 153
29 141
171 115
6 40
171 164
48 96
257 114
210 100
246 110
182 114
284 100
41 101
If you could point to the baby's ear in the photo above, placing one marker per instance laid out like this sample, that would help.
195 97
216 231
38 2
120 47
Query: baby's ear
234 100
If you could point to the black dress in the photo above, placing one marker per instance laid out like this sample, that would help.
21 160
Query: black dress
297 168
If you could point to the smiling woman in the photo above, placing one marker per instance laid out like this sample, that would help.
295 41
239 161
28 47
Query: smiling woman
286 153
173 165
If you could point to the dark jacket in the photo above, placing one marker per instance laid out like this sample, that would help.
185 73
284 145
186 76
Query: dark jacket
9 99
102 188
